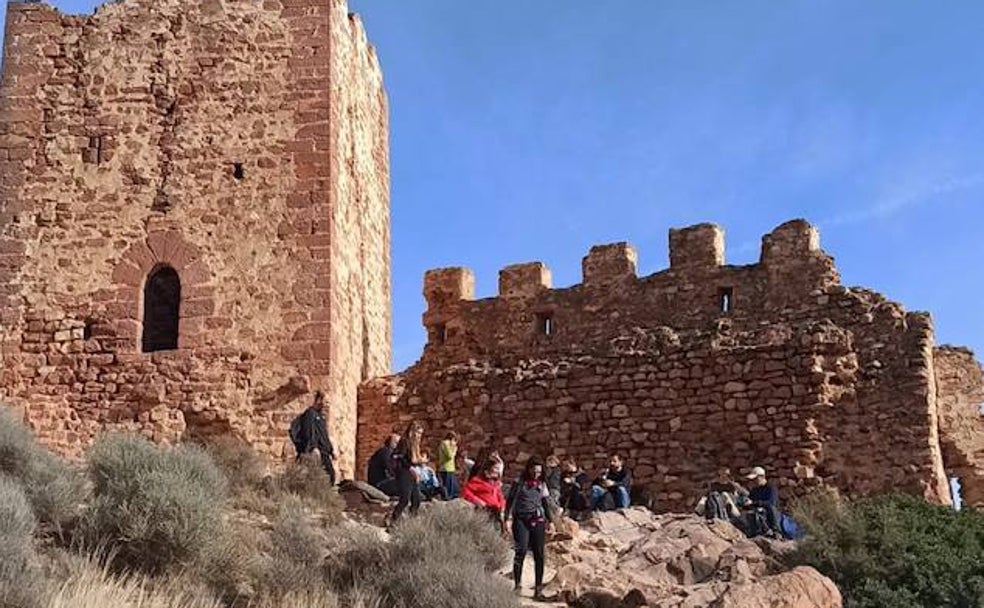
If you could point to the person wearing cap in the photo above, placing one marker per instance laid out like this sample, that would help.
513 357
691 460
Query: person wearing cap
764 495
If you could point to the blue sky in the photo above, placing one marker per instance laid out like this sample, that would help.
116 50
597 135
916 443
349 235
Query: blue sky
532 130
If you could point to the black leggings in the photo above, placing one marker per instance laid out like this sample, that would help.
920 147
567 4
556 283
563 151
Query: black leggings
409 494
529 536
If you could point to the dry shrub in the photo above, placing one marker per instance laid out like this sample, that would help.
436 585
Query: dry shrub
154 507
93 586
20 579
242 467
306 479
54 489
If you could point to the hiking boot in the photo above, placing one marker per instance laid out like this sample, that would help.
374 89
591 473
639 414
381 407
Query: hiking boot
517 589
538 595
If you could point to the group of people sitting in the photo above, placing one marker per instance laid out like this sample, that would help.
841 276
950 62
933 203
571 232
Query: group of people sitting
402 469
529 505
754 510
570 488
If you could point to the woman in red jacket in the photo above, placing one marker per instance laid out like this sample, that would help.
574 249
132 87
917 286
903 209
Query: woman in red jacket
484 490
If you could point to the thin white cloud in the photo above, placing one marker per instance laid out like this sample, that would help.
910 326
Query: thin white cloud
911 198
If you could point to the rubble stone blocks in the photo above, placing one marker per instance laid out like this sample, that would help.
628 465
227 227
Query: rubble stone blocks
698 366
243 144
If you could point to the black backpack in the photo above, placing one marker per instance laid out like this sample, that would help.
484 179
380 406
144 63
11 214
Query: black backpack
297 434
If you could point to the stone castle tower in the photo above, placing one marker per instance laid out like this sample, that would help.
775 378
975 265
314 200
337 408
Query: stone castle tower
194 218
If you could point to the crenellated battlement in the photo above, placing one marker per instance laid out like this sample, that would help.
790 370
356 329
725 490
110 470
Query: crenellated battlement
697 287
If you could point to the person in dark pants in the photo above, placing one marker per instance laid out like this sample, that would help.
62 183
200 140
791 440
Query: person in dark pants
380 471
529 508
314 435
406 456
616 480
763 497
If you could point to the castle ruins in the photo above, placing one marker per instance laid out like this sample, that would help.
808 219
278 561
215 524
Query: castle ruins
698 366
194 218
194 236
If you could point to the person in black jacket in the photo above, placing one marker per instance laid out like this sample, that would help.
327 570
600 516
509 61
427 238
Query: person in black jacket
380 472
573 483
528 505
406 457
314 435
615 480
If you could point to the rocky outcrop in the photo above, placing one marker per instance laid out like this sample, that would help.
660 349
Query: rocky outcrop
680 561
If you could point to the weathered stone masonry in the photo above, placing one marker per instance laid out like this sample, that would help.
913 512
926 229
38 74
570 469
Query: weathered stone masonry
242 144
700 365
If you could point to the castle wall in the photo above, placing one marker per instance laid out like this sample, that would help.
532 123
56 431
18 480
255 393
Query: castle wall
203 136
700 365
960 387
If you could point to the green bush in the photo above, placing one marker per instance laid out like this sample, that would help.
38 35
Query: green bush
895 551
20 581
154 507
54 489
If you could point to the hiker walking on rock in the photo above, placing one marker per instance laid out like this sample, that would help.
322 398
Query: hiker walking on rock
406 457
309 433
529 508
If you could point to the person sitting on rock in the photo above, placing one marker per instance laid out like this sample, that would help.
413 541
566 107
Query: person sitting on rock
380 472
430 485
484 490
762 506
528 506
722 496
573 483
614 482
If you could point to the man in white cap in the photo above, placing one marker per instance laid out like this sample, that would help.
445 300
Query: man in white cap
763 495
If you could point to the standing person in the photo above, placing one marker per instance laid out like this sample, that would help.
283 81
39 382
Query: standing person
529 508
616 481
447 453
406 456
380 470
309 432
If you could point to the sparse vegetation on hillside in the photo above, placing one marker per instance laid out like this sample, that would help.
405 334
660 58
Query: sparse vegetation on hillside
153 507
896 551
192 527
54 488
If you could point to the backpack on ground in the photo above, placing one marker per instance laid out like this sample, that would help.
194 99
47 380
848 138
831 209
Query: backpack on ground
716 507
790 528
297 434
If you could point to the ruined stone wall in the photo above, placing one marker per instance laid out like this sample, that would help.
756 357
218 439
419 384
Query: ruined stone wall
960 387
204 136
700 365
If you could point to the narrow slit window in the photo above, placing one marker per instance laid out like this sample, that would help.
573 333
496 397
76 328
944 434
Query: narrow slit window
545 324
87 329
726 299
438 333
161 310
238 172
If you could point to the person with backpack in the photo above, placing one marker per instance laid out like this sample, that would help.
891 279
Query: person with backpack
447 453
529 509
614 482
406 457
309 433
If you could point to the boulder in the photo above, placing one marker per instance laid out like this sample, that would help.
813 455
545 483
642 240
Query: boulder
679 561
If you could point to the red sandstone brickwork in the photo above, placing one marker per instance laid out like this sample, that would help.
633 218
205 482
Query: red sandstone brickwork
244 144
701 365
960 385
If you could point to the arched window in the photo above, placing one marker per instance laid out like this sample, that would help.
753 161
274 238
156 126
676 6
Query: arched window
162 301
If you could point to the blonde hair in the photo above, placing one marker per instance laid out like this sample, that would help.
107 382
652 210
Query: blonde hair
415 431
